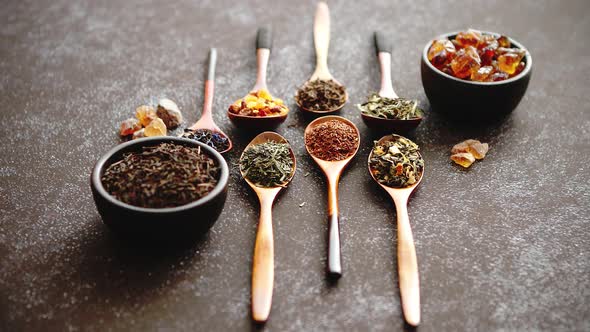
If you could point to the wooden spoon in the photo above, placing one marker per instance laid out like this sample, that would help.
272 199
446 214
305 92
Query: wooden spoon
333 170
321 38
263 46
263 263
384 48
206 120
409 282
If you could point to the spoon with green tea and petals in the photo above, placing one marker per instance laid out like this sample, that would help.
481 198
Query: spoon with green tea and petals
409 282
384 47
321 38
263 262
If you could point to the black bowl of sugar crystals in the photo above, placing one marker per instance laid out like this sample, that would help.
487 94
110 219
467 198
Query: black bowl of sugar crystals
160 188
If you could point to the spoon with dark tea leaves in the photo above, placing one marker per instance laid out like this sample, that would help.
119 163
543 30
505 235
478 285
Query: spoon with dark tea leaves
260 164
332 170
321 82
393 151
407 115
205 130
263 111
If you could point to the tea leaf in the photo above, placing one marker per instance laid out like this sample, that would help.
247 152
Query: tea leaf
267 164
388 108
396 163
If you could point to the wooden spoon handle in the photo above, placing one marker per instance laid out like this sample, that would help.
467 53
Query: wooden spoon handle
263 264
206 120
209 84
409 282
383 48
334 265
321 37
263 45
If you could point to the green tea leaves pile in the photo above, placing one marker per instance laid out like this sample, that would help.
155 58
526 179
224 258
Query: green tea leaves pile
162 176
321 95
267 164
396 163
388 108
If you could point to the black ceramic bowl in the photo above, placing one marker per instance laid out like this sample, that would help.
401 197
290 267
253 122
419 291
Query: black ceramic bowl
473 100
186 221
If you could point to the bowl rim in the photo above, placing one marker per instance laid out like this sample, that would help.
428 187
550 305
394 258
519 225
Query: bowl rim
526 70
101 164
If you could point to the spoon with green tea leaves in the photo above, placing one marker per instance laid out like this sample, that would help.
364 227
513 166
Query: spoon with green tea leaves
396 164
205 130
385 110
259 109
268 165
332 141
322 93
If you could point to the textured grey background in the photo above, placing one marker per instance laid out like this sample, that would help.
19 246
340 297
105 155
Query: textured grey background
502 246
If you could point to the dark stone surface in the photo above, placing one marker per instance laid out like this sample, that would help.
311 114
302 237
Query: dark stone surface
502 246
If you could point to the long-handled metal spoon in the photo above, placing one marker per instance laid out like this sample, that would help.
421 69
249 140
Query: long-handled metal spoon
333 170
263 46
206 120
384 48
321 38
409 282
263 263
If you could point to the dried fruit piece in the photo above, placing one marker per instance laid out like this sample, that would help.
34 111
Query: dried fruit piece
470 37
478 150
129 126
487 42
145 114
259 103
264 94
503 41
139 134
463 159
519 69
482 74
441 52
155 128
466 62
466 152
169 112
508 62
498 76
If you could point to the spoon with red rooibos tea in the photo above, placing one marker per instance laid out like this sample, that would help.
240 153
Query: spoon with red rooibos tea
205 130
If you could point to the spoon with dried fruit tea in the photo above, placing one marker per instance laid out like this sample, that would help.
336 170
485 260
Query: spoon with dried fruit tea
387 111
332 141
258 109
205 130
268 165
322 93
396 164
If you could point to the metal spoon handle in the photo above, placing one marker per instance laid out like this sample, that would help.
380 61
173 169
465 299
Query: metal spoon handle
321 38
383 47
409 282
263 264
334 265
263 45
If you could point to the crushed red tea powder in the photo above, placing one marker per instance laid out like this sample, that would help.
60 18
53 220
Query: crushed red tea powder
332 140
